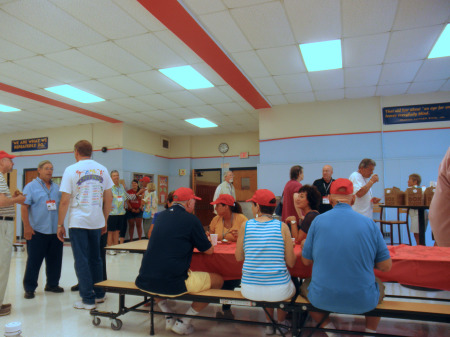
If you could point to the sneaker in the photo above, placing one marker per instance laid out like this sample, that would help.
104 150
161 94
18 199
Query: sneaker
56 289
170 321
81 305
285 330
100 300
29 295
111 252
5 309
123 251
74 288
228 314
269 330
182 328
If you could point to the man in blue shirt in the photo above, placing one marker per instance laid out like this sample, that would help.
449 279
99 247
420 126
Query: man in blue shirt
345 247
40 220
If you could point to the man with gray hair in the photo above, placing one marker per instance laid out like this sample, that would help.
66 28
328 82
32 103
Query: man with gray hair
363 180
226 187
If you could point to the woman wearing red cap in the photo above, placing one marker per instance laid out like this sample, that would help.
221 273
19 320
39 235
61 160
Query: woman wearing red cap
134 213
266 247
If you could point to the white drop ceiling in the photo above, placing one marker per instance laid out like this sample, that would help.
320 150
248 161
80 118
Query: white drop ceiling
114 48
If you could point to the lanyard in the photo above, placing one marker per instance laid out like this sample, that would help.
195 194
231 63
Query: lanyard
45 189
325 186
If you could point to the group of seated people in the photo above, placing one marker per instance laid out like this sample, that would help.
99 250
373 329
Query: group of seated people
344 245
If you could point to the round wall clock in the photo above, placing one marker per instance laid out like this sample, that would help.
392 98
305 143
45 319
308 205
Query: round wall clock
223 148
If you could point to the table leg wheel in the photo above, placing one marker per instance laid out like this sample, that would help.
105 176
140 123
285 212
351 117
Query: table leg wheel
116 324
96 321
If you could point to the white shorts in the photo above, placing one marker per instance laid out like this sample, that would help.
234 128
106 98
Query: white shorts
274 293
414 215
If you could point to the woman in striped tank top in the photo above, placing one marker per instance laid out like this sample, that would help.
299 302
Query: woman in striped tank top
265 246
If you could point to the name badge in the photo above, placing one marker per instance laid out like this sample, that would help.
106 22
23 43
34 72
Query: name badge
325 200
119 198
51 205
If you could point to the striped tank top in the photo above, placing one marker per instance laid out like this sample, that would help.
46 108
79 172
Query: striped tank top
4 189
264 254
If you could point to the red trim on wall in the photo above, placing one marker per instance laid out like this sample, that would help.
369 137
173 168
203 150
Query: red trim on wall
58 104
347 134
175 17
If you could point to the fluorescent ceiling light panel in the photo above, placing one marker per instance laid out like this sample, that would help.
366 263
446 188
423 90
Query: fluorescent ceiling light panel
187 77
74 93
442 46
5 108
322 55
201 122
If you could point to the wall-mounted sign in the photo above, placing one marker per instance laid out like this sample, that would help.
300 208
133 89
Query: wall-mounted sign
243 155
417 113
30 144
163 189
182 172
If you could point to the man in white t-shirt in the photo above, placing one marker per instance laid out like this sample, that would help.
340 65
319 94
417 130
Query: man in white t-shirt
363 181
86 194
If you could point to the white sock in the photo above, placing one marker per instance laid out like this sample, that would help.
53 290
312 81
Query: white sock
192 312
330 326
163 306
370 330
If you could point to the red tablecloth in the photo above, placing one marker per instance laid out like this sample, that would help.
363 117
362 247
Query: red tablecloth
224 263
419 266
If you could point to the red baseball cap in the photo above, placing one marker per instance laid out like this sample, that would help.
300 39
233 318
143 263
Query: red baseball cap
183 194
146 179
224 199
341 186
3 154
263 197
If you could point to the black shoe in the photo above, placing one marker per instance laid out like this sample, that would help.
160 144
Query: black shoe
74 288
29 295
55 289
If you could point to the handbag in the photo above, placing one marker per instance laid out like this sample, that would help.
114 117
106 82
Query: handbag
147 215
279 208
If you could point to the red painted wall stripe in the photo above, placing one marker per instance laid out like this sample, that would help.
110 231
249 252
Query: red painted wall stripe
58 104
180 22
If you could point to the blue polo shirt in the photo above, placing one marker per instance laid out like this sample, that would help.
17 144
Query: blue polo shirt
41 219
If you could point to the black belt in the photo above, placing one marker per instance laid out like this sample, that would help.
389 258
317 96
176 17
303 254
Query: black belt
7 218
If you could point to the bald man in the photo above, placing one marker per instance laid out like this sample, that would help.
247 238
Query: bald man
323 185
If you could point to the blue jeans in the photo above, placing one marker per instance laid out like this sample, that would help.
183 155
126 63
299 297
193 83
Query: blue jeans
88 263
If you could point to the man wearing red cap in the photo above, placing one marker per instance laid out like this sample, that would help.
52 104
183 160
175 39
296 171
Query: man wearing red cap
165 265
345 247
7 215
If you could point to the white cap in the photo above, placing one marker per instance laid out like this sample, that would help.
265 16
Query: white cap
13 329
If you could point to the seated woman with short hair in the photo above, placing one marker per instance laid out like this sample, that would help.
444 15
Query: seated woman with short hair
266 247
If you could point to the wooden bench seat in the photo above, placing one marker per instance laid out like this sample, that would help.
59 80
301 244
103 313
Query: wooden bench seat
299 306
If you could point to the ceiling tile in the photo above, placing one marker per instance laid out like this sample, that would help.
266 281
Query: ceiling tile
20 73
86 65
182 113
361 17
392 89
329 95
300 97
328 79
205 111
242 3
230 92
446 86
399 72
115 57
27 37
203 7
413 44
11 51
112 109
183 98
159 115
53 21
434 69
178 46
45 66
360 92
140 14
314 20
419 13
229 108
158 101
293 83
99 89
264 25
362 76
423 87
156 81
282 60
211 95
250 64
223 28
277 99
127 85
151 50
364 50
103 16
267 86
209 73
132 103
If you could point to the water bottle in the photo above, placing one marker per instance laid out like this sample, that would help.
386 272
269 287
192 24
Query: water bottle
13 329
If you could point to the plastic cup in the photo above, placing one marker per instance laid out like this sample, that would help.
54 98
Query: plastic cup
293 241
213 239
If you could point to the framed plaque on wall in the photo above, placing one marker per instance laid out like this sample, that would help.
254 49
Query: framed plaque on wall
163 189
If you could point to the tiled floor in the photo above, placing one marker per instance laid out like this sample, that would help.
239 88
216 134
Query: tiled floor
49 314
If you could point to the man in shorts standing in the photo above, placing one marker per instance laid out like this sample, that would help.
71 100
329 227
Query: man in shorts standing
165 265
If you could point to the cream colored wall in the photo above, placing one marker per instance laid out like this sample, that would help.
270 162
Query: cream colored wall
62 139
343 116
136 139
180 147
207 146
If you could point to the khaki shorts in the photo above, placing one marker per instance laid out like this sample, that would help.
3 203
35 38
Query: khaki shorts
197 281
306 282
